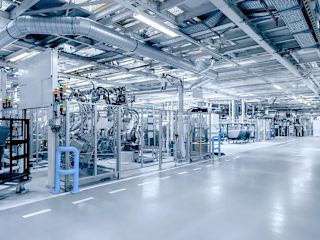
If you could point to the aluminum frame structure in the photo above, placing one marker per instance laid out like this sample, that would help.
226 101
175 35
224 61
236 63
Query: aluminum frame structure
155 147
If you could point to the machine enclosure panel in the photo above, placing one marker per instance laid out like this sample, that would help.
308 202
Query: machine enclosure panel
316 128
38 78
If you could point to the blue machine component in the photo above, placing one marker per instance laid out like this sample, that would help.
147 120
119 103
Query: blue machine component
74 171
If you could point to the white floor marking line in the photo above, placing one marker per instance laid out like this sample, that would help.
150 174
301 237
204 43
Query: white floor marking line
162 178
83 200
227 160
122 180
209 165
36 213
236 157
140 176
180 173
104 184
196 169
311 149
144 183
118 190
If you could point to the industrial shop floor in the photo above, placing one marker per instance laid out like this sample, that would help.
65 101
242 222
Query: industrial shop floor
265 193
38 189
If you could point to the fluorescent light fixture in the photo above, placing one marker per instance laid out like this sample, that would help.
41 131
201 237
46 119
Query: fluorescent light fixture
117 77
78 68
32 54
245 62
18 57
132 61
155 25
277 87
82 83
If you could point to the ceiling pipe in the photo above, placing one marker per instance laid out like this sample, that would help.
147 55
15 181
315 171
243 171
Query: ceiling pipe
26 25
109 9
238 18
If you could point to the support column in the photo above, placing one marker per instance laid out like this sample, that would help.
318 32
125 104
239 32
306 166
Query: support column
160 139
181 125
118 147
3 90
243 110
253 110
233 110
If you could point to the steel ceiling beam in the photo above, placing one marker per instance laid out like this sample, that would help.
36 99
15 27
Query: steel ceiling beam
170 4
236 16
67 6
23 7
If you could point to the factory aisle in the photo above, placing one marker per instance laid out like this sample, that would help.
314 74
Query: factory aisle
267 193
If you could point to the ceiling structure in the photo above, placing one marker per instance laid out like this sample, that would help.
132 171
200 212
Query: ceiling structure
264 51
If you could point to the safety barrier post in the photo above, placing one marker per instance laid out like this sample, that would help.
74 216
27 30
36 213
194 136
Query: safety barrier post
74 171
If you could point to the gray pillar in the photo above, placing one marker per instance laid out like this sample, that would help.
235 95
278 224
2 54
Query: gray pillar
233 110
253 110
3 85
180 124
243 110
118 134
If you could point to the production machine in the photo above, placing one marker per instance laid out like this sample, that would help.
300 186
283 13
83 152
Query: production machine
199 132
240 133
291 124
93 121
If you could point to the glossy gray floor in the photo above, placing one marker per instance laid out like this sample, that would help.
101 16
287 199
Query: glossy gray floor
269 193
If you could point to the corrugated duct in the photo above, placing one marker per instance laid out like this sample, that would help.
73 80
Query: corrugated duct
26 25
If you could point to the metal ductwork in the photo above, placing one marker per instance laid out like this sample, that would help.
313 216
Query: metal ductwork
26 25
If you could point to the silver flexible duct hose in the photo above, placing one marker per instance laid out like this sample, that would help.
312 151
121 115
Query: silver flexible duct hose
26 25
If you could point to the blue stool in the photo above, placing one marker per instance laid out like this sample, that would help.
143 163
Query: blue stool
64 172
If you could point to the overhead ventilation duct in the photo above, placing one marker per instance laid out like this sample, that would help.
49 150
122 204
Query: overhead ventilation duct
26 25
292 15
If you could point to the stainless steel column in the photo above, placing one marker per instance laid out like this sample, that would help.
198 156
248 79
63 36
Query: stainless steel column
118 160
67 143
243 110
210 131
37 133
142 138
181 145
160 140
233 110
230 110
200 136
95 135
